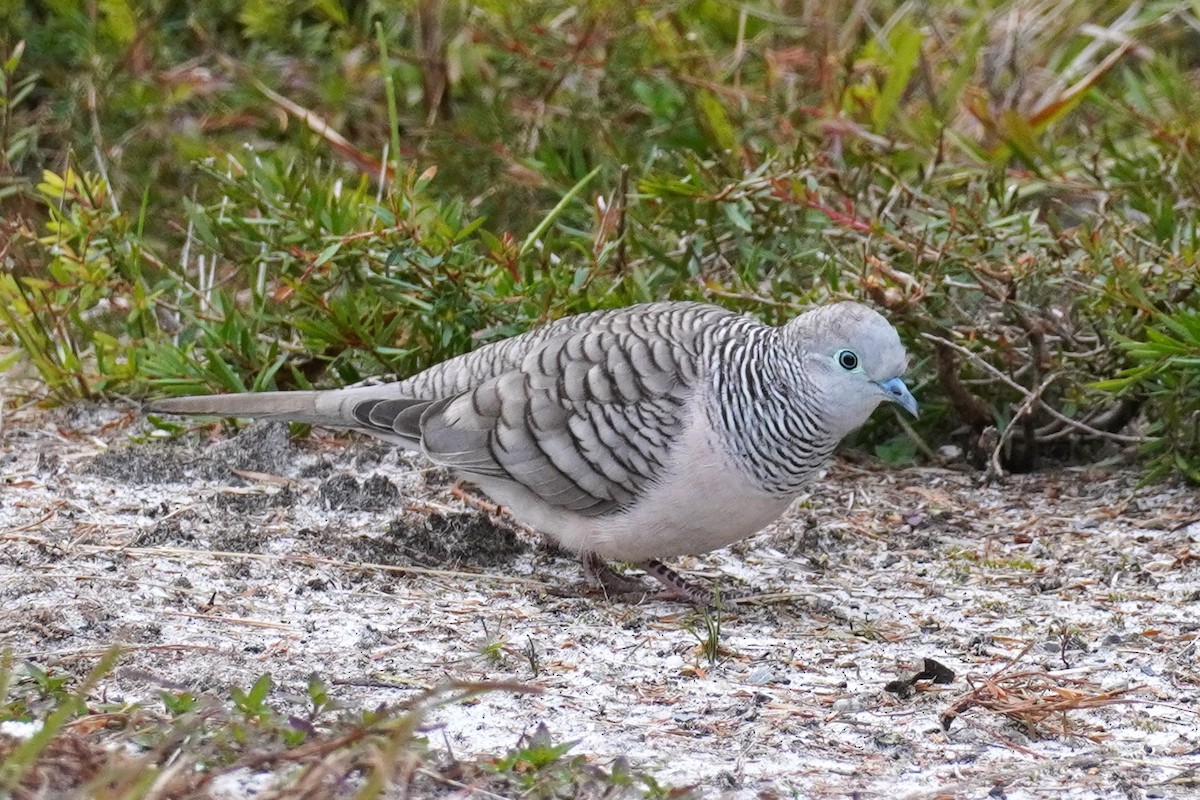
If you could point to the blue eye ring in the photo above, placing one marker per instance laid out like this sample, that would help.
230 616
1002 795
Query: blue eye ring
847 360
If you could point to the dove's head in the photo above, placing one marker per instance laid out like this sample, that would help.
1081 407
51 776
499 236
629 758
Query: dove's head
853 360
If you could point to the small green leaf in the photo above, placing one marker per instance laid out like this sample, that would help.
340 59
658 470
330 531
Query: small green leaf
904 42
328 253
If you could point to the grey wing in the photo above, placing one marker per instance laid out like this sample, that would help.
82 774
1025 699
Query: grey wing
617 427
585 421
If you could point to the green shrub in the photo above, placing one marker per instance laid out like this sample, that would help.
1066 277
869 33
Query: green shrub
248 197
1166 377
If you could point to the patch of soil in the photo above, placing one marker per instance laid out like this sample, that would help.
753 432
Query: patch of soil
360 548
153 464
456 539
263 447
376 493
245 503
167 532
438 541
257 448
238 538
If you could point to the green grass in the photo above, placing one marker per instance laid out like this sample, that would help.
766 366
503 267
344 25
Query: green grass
283 195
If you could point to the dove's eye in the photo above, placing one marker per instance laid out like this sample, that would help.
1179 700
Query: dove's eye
847 360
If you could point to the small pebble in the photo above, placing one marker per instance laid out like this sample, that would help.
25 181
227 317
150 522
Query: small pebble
760 676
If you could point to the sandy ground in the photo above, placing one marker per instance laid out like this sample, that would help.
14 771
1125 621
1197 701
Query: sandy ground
215 560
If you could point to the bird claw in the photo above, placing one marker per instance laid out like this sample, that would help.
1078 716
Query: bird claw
599 575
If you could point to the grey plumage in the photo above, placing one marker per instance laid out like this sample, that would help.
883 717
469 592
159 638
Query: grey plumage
634 434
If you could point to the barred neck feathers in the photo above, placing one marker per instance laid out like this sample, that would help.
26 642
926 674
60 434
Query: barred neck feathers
768 411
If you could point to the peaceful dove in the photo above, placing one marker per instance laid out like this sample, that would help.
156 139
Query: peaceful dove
634 434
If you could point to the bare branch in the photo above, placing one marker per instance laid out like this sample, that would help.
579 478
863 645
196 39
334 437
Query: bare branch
1074 423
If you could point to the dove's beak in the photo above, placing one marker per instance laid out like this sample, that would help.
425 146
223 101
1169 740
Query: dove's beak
897 392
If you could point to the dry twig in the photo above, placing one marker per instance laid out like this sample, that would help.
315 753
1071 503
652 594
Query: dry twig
1049 409
1036 699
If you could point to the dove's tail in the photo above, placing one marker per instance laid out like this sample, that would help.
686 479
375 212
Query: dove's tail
334 408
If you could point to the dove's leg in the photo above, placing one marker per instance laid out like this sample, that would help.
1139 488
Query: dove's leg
620 588
681 587
600 575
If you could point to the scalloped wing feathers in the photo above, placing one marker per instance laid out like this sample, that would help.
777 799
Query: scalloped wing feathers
585 421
